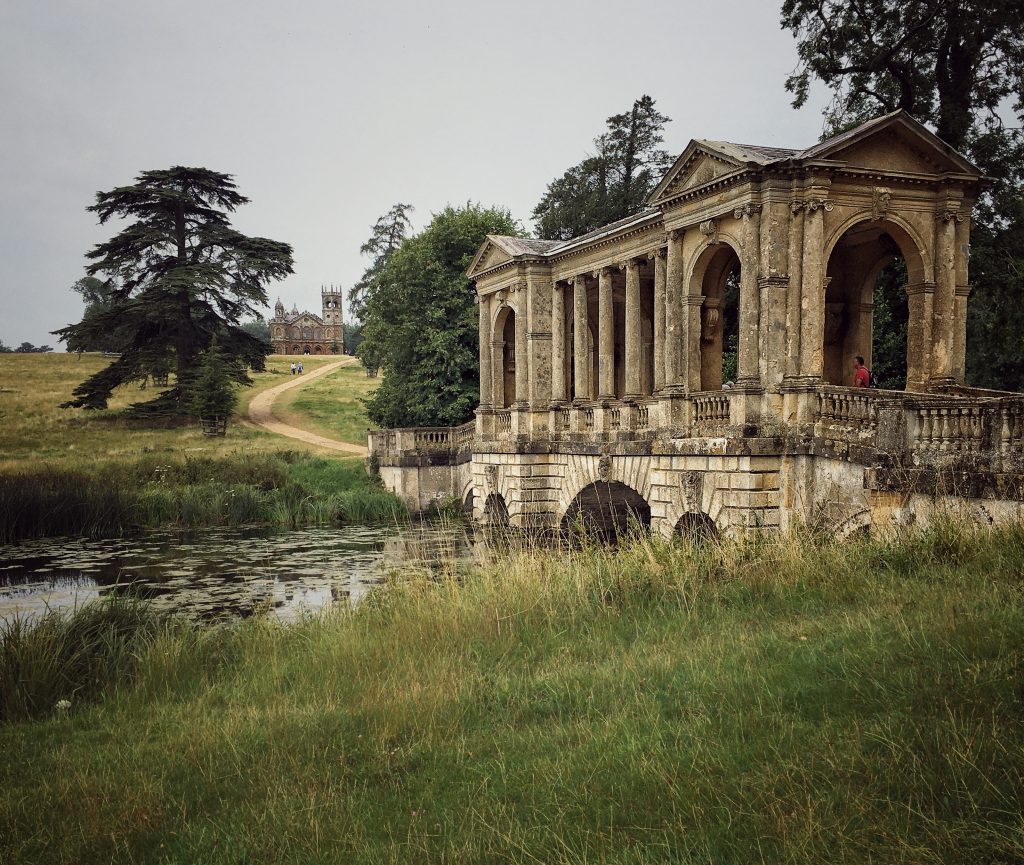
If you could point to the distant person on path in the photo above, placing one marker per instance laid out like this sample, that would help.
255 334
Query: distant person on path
293 367
300 367
861 376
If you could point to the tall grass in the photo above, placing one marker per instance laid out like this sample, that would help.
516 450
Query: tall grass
785 699
113 499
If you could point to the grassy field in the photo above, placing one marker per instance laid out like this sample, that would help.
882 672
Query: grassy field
781 701
330 405
68 471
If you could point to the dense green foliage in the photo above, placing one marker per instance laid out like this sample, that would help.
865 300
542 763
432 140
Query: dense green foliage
387 234
259 328
611 184
109 499
212 393
890 315
99 297
958 66
184 277
776 700
25 348
420 323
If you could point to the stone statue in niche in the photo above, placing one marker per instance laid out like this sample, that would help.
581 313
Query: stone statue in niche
710 319
835 317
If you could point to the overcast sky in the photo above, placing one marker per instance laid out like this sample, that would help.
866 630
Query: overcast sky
329 111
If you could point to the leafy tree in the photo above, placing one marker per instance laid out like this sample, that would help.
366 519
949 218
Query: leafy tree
353 337
28 348
611 184
5 349
185 277
959 66
212 396
386 236
98 296
420 321
259 328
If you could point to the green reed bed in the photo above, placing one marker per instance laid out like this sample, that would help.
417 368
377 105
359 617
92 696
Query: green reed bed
780 700
111 499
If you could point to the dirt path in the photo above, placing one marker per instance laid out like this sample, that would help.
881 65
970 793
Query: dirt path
260 411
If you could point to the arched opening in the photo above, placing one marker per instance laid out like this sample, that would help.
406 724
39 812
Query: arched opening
468 503
319 350
696 527
495 510
717 280
606 511
296 349
505 329
872 269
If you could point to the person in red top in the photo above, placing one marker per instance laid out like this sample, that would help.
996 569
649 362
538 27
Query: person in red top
861 377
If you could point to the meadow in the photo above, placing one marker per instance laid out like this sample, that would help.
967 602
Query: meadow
69 471
781 700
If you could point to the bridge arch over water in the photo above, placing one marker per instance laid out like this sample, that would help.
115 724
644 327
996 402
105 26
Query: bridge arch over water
607 510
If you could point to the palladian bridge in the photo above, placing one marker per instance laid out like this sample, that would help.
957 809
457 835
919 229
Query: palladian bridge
691 365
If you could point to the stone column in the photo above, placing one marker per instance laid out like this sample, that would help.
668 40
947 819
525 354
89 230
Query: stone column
795 267
538 303
634 346
963 291
812 293
945 295
691 377
498 370
558 393
673 295
919 334
747 366
486 373
606 335
659 319
581 359
522 351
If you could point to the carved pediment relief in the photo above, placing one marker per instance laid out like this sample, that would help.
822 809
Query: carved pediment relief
490 255
700 170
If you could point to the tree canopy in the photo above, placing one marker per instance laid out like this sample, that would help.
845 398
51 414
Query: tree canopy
179 277
386 236
957 65
420 323
611 184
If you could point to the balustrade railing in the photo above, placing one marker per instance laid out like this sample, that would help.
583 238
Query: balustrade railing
587 419
615 418
852 409
711 409
431 438
1010 420
563 418
643 417
503 420
462 436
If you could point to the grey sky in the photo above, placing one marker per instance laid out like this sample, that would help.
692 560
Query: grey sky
328 113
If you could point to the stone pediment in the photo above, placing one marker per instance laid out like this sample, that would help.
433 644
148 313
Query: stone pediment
305 318
697 166
897 143
491 254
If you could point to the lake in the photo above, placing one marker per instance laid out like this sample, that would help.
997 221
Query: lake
221 573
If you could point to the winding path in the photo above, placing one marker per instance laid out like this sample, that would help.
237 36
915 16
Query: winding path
261 415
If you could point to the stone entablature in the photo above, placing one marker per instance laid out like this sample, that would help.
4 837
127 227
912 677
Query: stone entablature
307 333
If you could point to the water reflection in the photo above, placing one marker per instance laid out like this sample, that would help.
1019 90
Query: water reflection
220 573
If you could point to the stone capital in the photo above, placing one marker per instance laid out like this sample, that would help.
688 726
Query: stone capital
660 252
745 211
607 270
920 288
949 214
813 204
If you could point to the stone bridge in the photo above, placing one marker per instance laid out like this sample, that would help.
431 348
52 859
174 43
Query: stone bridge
688 366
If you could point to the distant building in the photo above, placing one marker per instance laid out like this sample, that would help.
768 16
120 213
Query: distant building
307 333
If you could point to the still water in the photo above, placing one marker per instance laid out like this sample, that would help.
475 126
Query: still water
217 574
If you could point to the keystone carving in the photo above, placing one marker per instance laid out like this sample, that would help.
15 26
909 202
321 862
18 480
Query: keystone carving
709 228
491 476
691 490
710 318
604 468
880 199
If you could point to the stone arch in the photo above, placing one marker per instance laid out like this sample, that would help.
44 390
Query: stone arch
714 276
696 527
296 349
503 332
857 255
859 523
607 510
495 512
582 470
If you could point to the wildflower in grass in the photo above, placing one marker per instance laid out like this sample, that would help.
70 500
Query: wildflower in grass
62 706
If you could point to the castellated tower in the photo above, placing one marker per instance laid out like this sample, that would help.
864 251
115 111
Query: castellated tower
333 314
